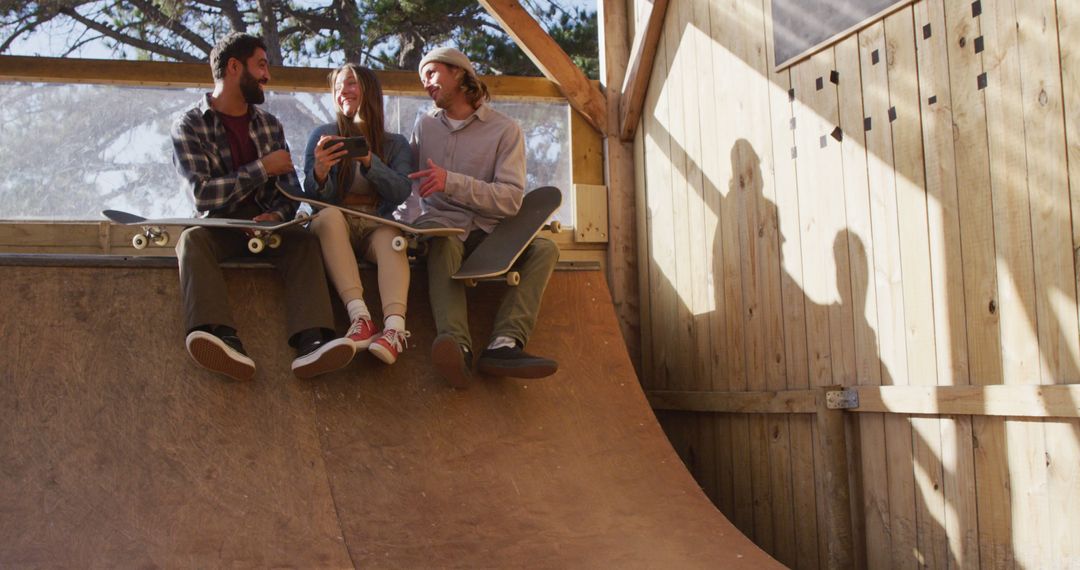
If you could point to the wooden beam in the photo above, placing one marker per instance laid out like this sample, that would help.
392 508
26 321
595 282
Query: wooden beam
622 266
1014 400
786 402
1008 400
832 441
636 83
170 74
551 59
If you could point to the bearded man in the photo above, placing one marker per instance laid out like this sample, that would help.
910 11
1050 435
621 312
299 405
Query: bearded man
232 157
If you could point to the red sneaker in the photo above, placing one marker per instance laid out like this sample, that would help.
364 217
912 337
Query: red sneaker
361 332
389 345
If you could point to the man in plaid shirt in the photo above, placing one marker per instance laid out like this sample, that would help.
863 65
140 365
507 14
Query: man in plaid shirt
233 157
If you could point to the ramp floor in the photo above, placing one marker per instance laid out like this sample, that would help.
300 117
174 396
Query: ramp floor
117 450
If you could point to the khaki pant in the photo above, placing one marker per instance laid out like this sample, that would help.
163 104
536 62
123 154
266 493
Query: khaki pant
202 283
341 237
520 305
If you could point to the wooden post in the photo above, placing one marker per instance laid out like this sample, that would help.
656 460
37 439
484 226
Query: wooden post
622 261
835 484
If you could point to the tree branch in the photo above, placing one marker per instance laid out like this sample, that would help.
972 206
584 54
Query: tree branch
231 11
173 24
268 19
126 39
29 27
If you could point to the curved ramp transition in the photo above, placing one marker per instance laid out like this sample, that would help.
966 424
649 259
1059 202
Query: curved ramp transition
116 450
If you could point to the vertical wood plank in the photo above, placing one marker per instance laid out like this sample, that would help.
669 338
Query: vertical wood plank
957 456
622 263
1055 292
727 324
888 285
975 209
1065 488
915 268
722 259
782 164
644 228
863 301
1069 41
698 245
658 176
1016 268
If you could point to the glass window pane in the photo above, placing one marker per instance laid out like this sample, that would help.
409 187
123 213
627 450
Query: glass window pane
68 151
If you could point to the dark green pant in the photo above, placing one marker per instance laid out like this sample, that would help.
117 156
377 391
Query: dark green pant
299 262
520 305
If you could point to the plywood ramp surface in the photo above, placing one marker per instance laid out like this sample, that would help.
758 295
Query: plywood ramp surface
115 449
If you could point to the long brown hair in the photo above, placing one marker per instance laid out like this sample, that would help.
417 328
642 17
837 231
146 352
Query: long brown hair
369 120
476 91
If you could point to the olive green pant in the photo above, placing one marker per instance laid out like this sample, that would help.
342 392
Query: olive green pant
298 261
520 305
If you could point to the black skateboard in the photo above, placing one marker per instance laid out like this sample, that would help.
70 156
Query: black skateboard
495 255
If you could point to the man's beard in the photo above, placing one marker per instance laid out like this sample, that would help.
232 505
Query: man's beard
249 86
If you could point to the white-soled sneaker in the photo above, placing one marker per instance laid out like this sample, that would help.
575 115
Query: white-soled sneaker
224 355
388 345
321 357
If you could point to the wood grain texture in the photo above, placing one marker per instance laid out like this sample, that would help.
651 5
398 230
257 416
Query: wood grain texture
118 449
170 74
550 58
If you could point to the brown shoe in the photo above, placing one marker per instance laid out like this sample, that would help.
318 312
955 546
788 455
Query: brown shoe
451 361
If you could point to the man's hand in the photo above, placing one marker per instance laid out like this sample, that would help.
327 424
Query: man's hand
328 156
432 179
277 162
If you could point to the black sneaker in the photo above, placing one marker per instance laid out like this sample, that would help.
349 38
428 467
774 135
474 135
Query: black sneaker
222 353
317 356
452 361
515 362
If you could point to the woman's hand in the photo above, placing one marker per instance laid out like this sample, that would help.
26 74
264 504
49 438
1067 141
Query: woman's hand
327 156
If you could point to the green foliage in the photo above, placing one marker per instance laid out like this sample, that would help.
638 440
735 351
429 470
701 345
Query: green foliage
383 34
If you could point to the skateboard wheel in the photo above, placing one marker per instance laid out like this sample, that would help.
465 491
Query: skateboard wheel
513 278
256 245
399 243
555 226
139 241
274 242
162 239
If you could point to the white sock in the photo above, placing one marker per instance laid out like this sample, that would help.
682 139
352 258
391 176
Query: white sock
396 322
357 309
502 341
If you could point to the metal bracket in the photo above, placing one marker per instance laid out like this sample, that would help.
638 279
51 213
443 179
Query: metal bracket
845 399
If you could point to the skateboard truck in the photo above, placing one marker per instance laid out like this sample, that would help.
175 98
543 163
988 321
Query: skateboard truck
153 234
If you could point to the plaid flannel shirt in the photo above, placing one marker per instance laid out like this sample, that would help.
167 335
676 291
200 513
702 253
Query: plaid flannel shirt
203 158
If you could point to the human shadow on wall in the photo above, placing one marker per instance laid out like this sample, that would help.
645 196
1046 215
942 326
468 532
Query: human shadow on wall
770 330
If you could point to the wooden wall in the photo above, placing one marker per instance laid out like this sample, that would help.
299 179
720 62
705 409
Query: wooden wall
896 210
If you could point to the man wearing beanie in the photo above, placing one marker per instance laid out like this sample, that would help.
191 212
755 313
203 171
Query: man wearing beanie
472 175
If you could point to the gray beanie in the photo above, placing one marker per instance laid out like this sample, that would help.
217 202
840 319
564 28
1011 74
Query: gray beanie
448 55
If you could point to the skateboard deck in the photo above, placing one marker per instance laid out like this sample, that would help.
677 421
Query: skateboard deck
502 247
263 234
412 234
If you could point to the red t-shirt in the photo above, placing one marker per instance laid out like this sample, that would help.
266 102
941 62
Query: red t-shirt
240 143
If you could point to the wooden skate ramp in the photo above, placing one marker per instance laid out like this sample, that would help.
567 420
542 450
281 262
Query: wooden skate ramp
117 450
